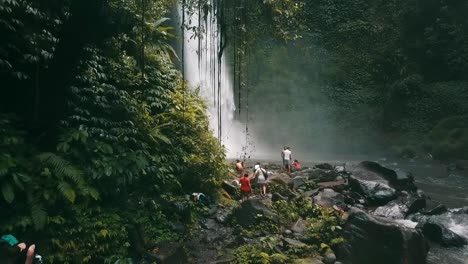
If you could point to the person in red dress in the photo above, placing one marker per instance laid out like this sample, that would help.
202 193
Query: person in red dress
245 188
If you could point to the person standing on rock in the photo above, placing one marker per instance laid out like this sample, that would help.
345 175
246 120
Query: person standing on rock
245 188
287 157
239 168
282 158
261 179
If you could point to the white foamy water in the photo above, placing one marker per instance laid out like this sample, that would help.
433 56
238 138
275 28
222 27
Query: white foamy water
458 224
407 223
213 79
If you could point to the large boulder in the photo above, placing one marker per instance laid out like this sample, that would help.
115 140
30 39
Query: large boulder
406 204
328 197
440 234
249 212
299 229
437 210
230 188
278 197
414 202
324 166
170 253
376 191
463 210
298 181
317 175
401 208
279 178
372 171
370 240
392 210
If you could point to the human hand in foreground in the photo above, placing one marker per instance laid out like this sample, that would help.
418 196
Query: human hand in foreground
29 253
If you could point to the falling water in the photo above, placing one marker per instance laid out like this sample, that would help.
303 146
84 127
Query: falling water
207 71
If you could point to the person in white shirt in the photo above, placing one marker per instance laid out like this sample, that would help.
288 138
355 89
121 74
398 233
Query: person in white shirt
287 157
261 179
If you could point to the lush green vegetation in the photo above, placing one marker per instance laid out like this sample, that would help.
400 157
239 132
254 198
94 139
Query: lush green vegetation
323 232
98 133
100 136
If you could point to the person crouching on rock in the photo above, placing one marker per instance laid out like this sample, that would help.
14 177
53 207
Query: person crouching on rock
297 165
245 188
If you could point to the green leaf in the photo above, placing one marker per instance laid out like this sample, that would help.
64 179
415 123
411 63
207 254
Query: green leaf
67 191
104 232
160 21
93 193
39 216
8 193
18 183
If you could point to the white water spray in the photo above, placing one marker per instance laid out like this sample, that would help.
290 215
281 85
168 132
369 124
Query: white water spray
203 72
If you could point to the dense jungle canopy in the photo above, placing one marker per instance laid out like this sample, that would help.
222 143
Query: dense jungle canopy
99 131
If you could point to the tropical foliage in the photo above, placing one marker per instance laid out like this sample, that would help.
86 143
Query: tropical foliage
97 130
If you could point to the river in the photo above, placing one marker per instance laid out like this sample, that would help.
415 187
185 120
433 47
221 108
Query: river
448 187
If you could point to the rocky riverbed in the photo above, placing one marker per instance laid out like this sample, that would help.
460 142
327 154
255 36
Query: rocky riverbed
383 216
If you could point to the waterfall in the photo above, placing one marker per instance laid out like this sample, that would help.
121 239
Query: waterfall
209 73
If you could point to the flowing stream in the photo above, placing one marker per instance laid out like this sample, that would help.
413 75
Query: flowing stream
449 188
441 186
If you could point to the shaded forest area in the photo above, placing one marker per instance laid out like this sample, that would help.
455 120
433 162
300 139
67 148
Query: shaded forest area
385 73
98 132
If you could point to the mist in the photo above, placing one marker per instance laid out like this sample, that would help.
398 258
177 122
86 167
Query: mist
289 105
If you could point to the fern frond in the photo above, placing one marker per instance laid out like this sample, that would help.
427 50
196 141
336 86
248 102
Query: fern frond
3 172
17 180
92 192
67 191
62 168
38 215
8 193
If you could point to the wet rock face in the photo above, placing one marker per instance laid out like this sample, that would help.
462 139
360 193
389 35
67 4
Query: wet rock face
372 171
298 181
401 208
317 175
278 197
439 209
247 214
377 192
440 234
171 253
370 240
328 197
324 166
391 210
463 210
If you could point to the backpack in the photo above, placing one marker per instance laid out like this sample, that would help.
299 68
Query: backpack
265 173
